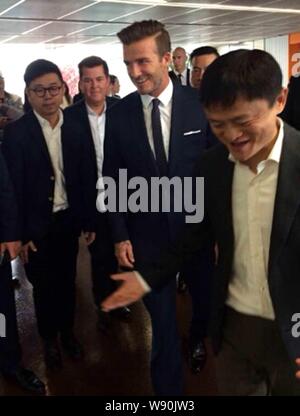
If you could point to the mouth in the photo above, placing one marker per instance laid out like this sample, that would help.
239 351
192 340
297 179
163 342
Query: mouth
140 81
239 144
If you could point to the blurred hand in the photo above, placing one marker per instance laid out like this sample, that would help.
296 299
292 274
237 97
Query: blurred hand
89 237
298 372
124 254
13 247
25 250
130 291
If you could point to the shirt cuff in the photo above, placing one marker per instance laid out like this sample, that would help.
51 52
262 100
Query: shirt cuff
143 282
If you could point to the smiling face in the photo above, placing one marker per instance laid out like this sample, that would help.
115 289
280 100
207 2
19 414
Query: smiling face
199 65
94 85
248 128
146 68
48 105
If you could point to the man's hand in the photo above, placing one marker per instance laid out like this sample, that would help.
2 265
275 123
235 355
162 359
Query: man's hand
130 291
298 372
124 254
89 237
25 250
13 247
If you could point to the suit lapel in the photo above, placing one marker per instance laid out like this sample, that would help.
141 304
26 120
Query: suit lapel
38 137
287 198
176 142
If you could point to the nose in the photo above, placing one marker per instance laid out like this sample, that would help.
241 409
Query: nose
231 133
134 70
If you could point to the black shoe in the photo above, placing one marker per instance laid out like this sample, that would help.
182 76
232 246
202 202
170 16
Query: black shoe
52 355
198 356
71 346
26 379
181 285
123 313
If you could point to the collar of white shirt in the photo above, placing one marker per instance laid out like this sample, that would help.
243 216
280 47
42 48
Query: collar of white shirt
165 97
275 153
93 113
45 123
183 74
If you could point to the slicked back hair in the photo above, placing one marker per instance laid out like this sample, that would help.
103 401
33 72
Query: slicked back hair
91 62
144 29
249 74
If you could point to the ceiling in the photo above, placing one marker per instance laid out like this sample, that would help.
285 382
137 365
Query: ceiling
211 22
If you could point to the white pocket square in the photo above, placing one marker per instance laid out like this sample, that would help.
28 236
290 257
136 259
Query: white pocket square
188 133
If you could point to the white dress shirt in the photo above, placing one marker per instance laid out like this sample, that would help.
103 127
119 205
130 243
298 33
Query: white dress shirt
97 124
165 108
53 140
253 197
183 76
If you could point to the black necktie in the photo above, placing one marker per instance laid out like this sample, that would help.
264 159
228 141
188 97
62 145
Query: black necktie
179 78
160 154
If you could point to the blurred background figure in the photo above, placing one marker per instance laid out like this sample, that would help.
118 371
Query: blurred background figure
180 72
114 87
11 106
200 59
291 112
67 99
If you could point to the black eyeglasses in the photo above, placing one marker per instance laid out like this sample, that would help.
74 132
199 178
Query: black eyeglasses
41 91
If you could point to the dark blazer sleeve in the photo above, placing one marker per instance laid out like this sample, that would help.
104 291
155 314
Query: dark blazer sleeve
8 208
193 239
291 112
13 154
111 165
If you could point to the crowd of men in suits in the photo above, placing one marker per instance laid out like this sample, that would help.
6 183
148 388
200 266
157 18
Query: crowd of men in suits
240 263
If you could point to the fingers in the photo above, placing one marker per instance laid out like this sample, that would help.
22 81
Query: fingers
298 372
25 250
124 254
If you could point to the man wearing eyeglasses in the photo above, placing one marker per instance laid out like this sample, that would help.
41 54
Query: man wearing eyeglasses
49 165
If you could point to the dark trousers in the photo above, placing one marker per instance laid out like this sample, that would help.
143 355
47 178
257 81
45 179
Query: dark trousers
197 273
253 360
166 360
103 261
52 271
10 351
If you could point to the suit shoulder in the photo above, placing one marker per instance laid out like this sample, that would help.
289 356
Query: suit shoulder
124 105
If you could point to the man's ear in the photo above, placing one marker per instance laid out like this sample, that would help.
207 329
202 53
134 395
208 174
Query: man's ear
281 100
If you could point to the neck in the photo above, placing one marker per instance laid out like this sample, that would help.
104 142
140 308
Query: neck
97 108
53 119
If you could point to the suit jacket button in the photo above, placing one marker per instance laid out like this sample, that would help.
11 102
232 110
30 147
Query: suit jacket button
50 198
52 178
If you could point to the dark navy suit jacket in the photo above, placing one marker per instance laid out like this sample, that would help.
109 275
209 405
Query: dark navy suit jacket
127 147
31 171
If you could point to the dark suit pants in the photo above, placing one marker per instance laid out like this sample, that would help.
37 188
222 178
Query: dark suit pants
253 360
103 261
166 360
10 351
52 271
197 273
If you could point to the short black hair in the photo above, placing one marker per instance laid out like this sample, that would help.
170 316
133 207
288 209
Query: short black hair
204 50
39 68
113 79
141 30
250 74
91 62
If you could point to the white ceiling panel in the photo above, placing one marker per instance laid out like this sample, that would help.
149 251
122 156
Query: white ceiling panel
91 21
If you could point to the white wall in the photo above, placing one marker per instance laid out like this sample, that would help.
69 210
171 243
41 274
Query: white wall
278 47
